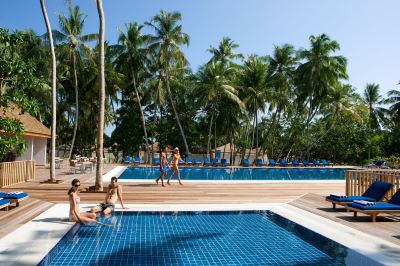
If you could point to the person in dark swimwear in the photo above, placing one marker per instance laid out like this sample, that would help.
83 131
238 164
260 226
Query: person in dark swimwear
114 193
163 166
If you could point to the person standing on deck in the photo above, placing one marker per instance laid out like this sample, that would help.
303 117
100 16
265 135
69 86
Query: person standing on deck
163 166
175 169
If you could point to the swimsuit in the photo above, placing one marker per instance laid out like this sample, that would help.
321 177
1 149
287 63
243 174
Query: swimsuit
163 168
77 201
103 206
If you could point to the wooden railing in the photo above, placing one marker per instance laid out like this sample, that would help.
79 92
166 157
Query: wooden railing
358 181
16 172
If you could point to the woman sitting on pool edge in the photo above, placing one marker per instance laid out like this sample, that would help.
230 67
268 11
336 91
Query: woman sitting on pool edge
74 213
114 193
174 162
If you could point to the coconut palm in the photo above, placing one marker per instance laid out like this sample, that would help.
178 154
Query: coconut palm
131 60
394 101
253 82
372 98
100 132
214 88
224 54
53 93
71 34
165 44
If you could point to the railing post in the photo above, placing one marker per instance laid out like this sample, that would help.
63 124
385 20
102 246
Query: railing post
348 183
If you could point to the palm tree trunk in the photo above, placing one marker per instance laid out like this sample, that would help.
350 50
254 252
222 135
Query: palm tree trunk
256 134
252 138
76 104
53 94
209 134
215 135
100 132
143 119
176 113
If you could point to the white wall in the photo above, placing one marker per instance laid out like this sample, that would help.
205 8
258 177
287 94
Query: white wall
39 150
36 150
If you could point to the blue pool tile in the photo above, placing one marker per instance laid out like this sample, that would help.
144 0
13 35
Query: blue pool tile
195 238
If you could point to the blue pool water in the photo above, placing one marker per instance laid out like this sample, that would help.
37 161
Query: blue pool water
198 238
240 173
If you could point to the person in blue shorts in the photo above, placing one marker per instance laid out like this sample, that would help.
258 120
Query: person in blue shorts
163 166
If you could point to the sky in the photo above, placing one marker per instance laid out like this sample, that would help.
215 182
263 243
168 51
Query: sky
368 31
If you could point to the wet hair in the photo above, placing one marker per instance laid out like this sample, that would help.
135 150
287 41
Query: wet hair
114 178
73 183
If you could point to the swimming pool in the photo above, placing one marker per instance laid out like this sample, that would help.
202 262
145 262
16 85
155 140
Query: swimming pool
240 173
199 238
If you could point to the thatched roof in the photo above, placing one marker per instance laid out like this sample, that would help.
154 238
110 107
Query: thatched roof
32 126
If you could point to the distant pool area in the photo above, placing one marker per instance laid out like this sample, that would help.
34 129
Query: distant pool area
199 238
237 174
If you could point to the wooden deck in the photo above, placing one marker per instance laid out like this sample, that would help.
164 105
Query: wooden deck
305 195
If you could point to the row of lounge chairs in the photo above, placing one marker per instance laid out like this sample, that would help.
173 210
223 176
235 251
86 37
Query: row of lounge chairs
245 162
7 198
370 202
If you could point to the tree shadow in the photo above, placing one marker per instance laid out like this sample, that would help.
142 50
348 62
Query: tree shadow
160 253
327 209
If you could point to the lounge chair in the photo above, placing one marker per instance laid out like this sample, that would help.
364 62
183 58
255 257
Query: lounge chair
156 161
295 163
271 162
375 208
188 161
137 160
206 162
283 162
4 203
245 162
215 162
224 162
374 193
305 163
196 161
14 196
325 163
260 162
376 164
127 159
315 162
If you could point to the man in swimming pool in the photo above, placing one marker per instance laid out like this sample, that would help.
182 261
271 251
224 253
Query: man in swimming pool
114 193
163 166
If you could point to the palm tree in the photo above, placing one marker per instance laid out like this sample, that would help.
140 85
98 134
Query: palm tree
71 33
132 59
214 88
53 93
165 44
224 54
100 132
371 99
253 81
394 101
318 75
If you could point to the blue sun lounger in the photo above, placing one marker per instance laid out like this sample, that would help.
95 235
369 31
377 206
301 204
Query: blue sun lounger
127 159
245 162
138 160
196 161
206 161
215 162
295 163
374 193
260 162
283 162
271 162
156 161
224 162
14 196
4 203
325 163
189 161
305 163
375 208
315 162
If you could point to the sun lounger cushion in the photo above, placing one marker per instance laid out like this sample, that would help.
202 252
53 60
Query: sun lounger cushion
376 206
349 198
377 190
13 195
3 201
